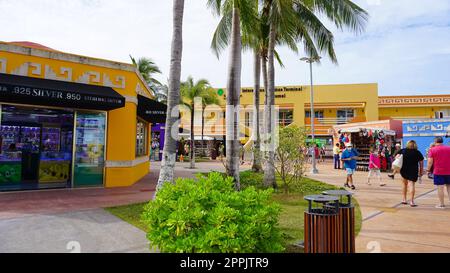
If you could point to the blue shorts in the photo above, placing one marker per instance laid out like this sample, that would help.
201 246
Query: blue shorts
350 171
441 180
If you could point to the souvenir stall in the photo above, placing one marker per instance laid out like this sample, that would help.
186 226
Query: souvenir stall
365 139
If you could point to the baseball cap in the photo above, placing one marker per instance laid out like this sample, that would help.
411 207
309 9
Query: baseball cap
348 145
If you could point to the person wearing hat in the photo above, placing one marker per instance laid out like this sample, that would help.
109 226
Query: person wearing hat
349 157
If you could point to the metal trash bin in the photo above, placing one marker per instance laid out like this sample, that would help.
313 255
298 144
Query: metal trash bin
321 224
346 228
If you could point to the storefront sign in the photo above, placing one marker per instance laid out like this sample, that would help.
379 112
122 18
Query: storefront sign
151 111
424 128
26 90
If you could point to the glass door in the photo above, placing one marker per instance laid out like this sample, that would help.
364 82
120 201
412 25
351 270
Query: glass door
89 149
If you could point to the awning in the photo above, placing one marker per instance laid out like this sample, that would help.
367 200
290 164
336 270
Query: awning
34 91
360 129
151 111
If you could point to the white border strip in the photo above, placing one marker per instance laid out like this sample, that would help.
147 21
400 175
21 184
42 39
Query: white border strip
127 164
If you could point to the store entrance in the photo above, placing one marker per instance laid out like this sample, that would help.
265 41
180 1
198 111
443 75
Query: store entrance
35 148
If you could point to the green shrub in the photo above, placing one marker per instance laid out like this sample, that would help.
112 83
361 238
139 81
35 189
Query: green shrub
251 179
208 216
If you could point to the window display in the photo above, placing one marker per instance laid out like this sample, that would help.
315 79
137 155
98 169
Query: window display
31 155
89 154
37 148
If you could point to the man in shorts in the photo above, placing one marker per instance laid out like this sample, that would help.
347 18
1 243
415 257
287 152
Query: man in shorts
349 157
439 159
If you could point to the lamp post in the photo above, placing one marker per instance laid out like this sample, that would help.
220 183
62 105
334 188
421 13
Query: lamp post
311 60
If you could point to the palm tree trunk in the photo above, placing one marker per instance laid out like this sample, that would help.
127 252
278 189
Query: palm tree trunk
269 174
233 100
171 136
257 138
192 152
266 85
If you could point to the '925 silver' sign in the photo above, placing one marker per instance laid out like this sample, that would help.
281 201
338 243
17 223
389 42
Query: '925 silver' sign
36 92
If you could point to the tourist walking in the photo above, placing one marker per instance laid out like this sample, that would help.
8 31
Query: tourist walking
439 166
430 172
311 154
317 153
411 170
374 167
396 170
336 156
322 153
349 157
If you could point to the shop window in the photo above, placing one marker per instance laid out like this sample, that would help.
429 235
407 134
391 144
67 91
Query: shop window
141 138
318 114
286 117
345 115
248 119
35 148
439 115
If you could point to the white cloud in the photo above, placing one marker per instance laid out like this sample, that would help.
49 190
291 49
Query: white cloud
406 47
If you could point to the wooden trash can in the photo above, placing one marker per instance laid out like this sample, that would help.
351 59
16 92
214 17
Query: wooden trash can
321 224
346 219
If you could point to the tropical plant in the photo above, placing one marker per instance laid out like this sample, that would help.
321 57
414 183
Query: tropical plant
287 23
148 68
298 18
190 92
289 156
208 216
237 16
166 173
161 93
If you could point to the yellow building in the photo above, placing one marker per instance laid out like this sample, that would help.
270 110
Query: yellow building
334 104
414 107
71 121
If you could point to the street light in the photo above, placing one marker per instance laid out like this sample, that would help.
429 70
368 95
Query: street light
311 60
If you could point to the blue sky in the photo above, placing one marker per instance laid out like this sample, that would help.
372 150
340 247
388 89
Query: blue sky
406 47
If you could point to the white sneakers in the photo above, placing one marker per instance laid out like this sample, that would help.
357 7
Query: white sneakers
440 207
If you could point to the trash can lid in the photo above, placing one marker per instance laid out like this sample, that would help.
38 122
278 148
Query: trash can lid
338 193
321 198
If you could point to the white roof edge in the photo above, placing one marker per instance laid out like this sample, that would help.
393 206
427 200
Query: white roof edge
69 57
409 121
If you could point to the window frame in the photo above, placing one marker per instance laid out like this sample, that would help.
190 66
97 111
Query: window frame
145 141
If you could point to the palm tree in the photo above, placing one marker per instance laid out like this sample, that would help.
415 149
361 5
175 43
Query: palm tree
287 22
237 16
171 136
190 92
148 69
298 18
161 92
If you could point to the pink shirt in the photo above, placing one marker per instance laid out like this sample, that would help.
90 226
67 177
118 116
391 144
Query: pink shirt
374 159
441 159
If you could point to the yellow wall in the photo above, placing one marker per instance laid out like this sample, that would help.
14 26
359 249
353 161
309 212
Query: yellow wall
121 129
339 94
410 112
122 177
